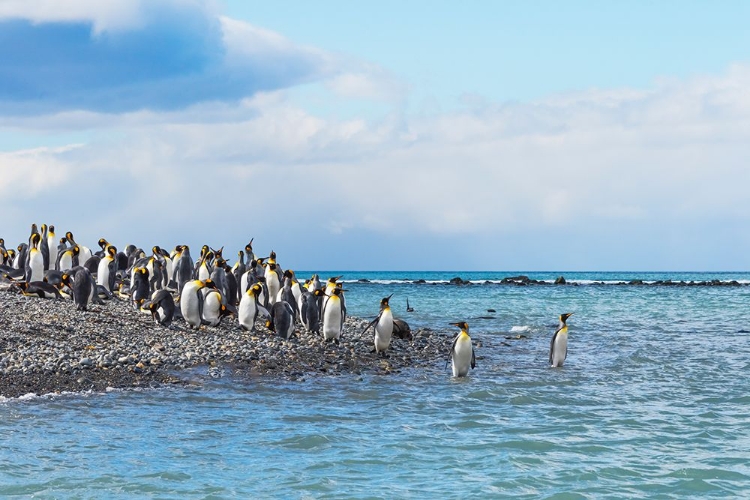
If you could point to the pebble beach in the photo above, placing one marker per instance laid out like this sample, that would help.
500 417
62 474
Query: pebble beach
47 347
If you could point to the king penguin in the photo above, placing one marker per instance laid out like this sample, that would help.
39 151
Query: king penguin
383 324
462 351
35 264
333 316
107 269
162 307
558 347
282 319
191 301
52 245
249 308
214 307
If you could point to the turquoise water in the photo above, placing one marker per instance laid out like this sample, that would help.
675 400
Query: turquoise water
652 403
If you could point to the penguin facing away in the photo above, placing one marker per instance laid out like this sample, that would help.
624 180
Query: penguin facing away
558 347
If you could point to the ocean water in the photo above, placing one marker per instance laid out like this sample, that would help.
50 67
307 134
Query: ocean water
652 402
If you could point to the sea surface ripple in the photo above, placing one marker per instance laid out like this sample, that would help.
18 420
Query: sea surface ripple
651 403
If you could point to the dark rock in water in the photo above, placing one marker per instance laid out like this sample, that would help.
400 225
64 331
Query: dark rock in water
458 281
491 310
560 280
419 282
519 280
635 282
363 280
401 329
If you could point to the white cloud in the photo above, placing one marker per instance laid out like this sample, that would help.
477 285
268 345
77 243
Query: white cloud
630 160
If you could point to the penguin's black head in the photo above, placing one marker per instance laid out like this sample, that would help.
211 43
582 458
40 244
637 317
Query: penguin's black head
65 279
102 243
463 325
288 274
69 236
112 250
156 250
76 250
273 255
51 228
564 317
318 292
384 300
210 283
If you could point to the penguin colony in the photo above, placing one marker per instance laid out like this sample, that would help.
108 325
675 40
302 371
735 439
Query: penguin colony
171 285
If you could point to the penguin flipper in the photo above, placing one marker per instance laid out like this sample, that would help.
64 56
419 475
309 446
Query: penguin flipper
263 311
372 323
473 358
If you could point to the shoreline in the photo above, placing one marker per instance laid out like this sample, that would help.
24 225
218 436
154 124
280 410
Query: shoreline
48 347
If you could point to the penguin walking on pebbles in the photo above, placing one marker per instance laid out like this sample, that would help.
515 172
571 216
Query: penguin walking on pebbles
558 348
383 324
334 312
462 351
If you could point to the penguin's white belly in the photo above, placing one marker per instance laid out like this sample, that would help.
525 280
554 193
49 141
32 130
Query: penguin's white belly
52 245
190 305
332 320
36 263
83 255
461 359
203 273
272 282
247 311
162 313
243 282
102 273
211 308
560 349
383 332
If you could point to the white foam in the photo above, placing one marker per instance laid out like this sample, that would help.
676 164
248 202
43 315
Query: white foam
518 329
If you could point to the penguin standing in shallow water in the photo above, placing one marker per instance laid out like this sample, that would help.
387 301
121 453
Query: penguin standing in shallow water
558 347
383 326
462 351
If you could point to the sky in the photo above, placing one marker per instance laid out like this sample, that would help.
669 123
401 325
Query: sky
384 135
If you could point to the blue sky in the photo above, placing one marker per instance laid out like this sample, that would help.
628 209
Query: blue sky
392 135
